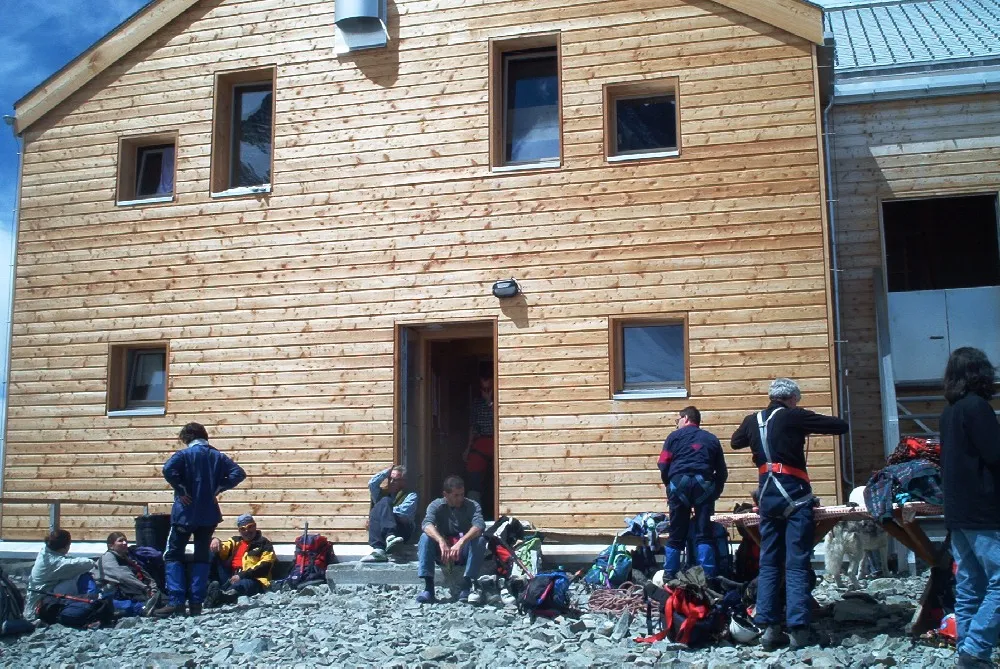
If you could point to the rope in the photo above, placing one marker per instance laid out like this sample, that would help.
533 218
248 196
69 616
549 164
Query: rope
628 597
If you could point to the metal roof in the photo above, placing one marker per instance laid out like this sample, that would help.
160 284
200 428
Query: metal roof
901 33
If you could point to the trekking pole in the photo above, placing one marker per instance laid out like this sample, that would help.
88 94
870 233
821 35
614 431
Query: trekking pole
513 553
59 596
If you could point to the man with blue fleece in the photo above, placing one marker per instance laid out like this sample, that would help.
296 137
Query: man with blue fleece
393 515
693 468
198 474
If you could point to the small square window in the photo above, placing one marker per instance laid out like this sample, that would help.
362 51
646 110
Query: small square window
642 120
243 139
649 358
525 118
146 169
137 379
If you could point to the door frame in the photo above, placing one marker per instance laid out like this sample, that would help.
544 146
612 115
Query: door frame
433 330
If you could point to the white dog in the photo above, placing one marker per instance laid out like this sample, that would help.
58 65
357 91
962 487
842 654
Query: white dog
852 540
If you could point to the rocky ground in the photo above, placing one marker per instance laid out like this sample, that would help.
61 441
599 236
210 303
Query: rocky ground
381 626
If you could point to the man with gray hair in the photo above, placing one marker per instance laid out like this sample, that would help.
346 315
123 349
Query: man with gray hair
777 436
393 515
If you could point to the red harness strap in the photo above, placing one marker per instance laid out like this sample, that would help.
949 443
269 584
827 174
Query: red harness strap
781 468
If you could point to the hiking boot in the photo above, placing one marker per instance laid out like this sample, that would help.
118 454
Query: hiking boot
377 555
474 596
966 661
168 610
150 605
391 542
194 609
212 595
507 597
773 638
426 597
800 637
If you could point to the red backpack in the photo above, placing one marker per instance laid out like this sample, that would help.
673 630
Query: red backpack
312 554
688 618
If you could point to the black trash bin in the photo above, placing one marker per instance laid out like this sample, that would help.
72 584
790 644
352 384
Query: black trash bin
152 530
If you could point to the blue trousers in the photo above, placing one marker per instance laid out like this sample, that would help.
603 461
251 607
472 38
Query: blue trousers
977 590
428 553
687 493
222 572
786 545
382 522
178 586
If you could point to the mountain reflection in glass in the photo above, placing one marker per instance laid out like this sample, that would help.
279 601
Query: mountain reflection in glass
251 159
645 124
531 108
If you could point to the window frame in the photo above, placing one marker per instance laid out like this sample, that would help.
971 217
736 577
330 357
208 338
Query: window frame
121 377
127 184
499 51
616 355
634 90
223 126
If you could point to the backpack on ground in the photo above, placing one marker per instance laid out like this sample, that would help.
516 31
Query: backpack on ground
78 611
12 620
151 560
686 617
547 595
313 553
612 567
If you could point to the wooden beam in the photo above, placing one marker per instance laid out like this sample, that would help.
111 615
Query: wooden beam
796 16
95 60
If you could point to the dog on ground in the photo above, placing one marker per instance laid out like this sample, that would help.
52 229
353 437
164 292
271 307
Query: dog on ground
852 540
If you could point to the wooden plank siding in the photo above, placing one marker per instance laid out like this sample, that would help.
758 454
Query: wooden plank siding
280 309
896 150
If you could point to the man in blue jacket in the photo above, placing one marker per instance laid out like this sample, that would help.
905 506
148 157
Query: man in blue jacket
197 473
693 468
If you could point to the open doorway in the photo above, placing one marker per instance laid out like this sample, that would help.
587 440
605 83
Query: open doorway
446 408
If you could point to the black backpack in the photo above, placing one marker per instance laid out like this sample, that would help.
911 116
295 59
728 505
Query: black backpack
546 594
12 620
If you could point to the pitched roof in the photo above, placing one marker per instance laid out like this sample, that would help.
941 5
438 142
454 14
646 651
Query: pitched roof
799 17
901 33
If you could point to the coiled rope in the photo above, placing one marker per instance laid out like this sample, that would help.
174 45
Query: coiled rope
628 597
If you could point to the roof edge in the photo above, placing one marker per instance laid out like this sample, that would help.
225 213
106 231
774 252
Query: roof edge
799 17
102 54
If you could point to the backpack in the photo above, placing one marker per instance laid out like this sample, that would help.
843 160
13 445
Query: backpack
723 554
151 560
312 554
612 567
80 612
12 620
547 595
690 619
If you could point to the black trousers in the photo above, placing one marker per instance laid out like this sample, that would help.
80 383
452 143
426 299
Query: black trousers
382 522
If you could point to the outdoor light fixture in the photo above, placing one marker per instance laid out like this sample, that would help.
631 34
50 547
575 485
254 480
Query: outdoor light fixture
506 288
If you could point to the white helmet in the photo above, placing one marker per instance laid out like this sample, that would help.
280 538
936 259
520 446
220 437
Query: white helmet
658 579
742 629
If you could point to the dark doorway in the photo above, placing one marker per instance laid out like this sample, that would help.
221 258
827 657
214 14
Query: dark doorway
941 243
444 371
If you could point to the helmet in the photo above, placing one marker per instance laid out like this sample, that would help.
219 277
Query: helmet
742 629
658 579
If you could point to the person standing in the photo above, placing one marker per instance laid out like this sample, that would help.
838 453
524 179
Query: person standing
693 469
777 437
478 454
197 473
393 515
970 468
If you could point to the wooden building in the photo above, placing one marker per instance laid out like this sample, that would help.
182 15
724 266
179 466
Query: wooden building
285 220
915 155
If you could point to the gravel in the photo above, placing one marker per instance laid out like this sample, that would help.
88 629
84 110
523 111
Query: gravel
381 626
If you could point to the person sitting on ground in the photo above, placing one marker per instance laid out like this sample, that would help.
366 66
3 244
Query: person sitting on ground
64 587
452 534
393 515
693 469
242 565
134 589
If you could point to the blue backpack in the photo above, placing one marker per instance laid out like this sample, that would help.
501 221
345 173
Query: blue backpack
546 594
612 567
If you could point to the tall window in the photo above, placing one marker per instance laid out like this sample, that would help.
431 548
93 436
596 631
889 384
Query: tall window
243 134
642 120
525 114
649 358
146 168
531 107
137 379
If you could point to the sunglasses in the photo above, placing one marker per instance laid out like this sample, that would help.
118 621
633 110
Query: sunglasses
246 527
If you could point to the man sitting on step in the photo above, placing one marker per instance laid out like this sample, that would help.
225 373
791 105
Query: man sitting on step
393 515
241 565
453 534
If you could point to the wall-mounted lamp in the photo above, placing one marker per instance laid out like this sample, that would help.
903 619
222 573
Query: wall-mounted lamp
506 288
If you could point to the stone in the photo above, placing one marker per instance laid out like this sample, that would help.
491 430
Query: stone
252 646
221 656
621 628
578 626
432 653
853 610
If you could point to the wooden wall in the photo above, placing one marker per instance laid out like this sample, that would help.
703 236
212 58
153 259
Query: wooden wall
891 150
280 310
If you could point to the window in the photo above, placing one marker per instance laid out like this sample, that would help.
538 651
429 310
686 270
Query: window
243 132
525 121
642 120
649 358
137 379
146 169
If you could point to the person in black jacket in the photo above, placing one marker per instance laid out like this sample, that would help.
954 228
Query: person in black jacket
693 469
777 437
970 468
